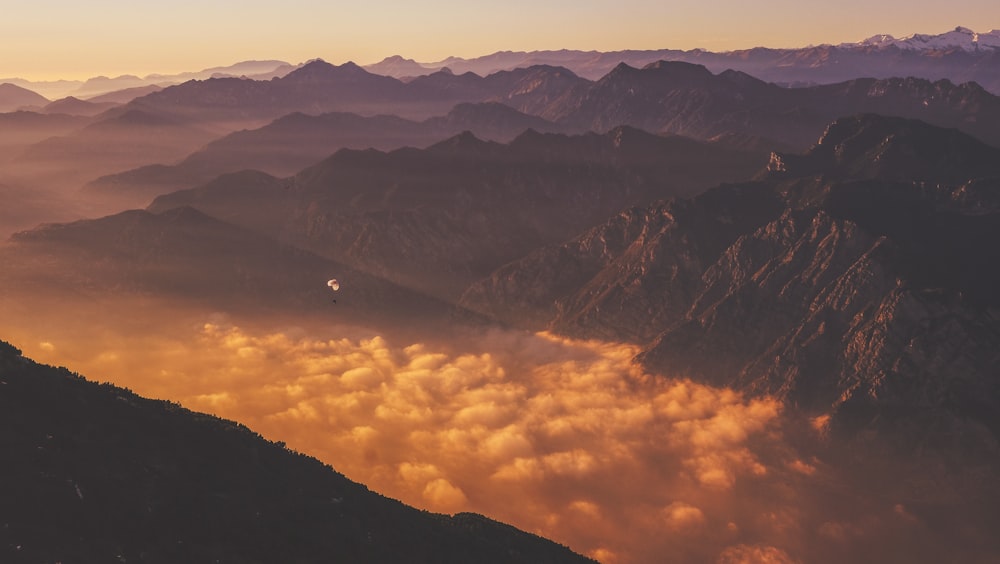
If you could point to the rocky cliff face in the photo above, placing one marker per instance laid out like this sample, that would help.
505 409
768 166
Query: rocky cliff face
854 281
687 99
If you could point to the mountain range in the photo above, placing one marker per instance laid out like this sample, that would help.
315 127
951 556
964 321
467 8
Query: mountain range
960 55
13 97
850 279
662 97
301 118
960 38
295 141
437 218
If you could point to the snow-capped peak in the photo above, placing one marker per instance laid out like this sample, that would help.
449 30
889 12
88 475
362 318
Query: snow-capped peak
960 38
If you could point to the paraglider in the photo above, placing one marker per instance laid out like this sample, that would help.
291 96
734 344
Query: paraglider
334 286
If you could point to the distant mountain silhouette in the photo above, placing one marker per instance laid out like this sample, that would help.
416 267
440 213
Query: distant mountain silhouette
77 107
663 97
686 99
316 87
101 85
293 142
95 473
260 70
13 98
400 67
441 217
126 95
949 56
319 87
176 255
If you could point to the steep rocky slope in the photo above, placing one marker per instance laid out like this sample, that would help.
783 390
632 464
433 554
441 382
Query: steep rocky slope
855 279
95 473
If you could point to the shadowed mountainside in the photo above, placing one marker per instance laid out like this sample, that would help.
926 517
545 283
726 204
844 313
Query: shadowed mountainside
95 473
853 279
182 254
687 99
319 87
441 217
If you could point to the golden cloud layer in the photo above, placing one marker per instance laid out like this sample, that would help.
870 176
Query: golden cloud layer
567 439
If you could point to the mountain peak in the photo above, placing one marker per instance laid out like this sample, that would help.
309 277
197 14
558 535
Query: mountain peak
465 142
397 59
13 97
678 66
320 70
959 38
874 146
625 135
622 68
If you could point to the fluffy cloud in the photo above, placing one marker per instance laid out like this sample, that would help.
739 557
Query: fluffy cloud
567 439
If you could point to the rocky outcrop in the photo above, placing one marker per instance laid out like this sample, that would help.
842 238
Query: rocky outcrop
854 282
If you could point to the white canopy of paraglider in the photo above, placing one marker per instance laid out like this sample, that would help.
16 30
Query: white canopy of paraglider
333 284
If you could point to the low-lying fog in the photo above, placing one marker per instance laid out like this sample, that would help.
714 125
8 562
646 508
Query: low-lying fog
567 439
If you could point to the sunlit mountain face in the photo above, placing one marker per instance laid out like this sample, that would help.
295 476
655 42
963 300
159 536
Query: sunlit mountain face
666 313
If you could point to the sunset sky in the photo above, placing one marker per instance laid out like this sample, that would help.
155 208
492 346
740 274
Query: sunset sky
50 39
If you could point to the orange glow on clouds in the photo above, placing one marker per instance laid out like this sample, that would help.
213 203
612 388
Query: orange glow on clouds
566 439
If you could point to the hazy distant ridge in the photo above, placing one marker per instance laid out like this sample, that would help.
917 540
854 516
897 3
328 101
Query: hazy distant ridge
959 55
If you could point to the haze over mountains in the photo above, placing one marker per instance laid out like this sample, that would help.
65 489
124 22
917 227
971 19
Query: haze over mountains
959 55
161 134
668 311
102 85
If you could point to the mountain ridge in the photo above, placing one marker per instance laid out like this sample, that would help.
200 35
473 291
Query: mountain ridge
949 55
94 472
815 296
931 56
464 206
